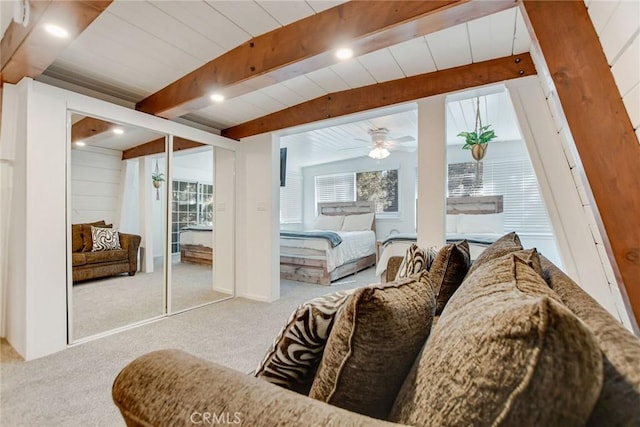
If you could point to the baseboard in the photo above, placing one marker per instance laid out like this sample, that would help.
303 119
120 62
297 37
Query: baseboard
253 297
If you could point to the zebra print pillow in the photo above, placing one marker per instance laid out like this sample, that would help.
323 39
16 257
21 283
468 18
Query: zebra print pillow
104 239
294 356
415 260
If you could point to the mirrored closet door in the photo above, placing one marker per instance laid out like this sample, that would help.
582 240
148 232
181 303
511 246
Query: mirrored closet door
201 200
117 211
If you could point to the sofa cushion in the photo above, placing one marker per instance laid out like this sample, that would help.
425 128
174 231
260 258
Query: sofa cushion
508 243
619 400
505 351
78 258
448 270
104 239
293 358
76 238
106 256
374 342
415 260
87 241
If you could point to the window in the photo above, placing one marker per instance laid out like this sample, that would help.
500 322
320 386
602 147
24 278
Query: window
378 186
515 180
291 200
192 204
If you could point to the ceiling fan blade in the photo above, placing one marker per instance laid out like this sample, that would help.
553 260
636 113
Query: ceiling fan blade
354 148
403 148
404 139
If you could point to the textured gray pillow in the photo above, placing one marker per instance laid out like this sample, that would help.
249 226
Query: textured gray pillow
506 244
506 352
415 260
448 271
373 344
293 358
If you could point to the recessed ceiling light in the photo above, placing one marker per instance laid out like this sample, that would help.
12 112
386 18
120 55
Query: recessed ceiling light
344 53
80 143
118 131
216 97
56 31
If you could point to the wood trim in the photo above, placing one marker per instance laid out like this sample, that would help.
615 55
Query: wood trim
157 146
308 45
388 93
27 52
602 132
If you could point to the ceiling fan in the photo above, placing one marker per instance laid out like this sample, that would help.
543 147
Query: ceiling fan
382 144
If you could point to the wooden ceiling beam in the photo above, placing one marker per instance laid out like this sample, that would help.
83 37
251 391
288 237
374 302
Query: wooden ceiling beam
387 93
602 131
157 146
27 52
88 127
309 44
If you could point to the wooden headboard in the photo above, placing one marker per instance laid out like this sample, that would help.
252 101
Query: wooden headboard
475 205
348 208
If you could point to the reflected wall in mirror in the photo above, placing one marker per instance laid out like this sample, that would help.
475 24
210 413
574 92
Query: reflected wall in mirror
200 182
117 214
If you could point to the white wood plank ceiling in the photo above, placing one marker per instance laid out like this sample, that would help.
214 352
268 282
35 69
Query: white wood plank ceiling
135 48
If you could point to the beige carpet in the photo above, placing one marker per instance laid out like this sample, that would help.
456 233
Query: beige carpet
73 387
104 304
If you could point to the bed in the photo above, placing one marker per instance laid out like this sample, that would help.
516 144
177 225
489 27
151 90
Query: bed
196 244
478 219
310 256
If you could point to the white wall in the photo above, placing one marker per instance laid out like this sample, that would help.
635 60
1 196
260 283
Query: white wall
617 23
224 220
257 219
406 163
432 135
96 175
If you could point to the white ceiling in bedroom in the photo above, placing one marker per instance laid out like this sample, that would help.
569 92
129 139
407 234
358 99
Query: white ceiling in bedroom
343 141
135 48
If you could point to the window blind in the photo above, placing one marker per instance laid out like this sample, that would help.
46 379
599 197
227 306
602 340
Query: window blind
336 188
514 179
291 200
524 209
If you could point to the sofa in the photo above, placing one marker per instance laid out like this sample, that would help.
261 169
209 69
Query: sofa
88 263
507 340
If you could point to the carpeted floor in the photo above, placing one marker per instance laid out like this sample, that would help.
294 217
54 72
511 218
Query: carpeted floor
104 304
73 387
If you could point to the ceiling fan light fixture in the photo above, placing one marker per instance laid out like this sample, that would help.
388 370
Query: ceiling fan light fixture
379 153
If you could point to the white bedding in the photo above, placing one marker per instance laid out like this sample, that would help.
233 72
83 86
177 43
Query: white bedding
196 237
355 244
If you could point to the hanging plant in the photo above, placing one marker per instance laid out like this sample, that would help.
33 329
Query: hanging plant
477 140
157 179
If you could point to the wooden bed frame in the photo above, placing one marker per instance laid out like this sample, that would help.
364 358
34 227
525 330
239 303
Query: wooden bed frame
475 205
196 254
315 271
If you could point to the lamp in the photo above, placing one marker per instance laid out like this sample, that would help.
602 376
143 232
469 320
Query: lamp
379 153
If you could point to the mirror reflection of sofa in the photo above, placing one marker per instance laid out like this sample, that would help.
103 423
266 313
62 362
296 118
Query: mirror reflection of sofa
92 264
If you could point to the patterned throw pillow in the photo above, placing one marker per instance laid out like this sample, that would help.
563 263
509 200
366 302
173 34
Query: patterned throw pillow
104 239
293 358
415 260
